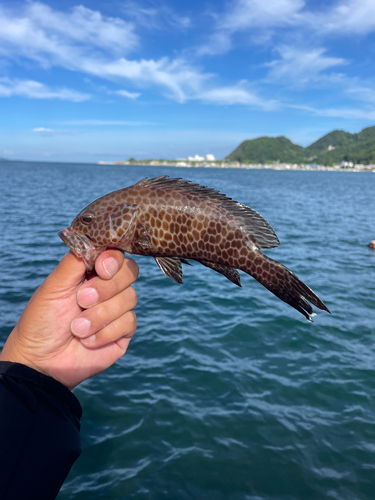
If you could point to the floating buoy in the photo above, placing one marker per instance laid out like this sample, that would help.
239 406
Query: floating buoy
372 244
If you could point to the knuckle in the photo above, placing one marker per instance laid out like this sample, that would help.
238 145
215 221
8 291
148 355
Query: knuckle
128 324
133 298
110 330
133 321
116 286
100 315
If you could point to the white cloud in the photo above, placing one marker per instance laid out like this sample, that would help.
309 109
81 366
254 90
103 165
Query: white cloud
49 132
51 36
236 94
155 18
37 90
176 76
262 20
347 113
107 123
125 93
251 16
247 14
300 67
362 93
37 35
346 17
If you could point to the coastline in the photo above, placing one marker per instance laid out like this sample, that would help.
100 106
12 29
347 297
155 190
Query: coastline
245 166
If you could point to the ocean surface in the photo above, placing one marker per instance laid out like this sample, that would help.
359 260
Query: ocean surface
225 393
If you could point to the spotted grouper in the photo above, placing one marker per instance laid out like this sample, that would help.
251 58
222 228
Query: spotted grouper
174 220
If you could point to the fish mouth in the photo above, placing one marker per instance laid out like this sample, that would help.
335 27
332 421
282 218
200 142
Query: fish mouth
74 241
81 245
64 237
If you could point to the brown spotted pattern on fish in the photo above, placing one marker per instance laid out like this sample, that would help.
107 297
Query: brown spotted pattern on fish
174 220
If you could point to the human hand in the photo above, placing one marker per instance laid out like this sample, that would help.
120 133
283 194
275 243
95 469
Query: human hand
52 337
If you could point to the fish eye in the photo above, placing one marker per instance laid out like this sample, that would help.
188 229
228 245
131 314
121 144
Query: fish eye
87 219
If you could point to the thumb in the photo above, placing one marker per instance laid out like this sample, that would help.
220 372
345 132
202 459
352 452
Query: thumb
70 273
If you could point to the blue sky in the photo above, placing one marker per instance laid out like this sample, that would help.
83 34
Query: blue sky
109 80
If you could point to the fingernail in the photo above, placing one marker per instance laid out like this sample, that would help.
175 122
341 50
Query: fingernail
80 326
89 340
110 266
87 297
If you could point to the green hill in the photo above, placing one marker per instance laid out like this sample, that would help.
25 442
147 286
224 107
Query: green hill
267 149
335 147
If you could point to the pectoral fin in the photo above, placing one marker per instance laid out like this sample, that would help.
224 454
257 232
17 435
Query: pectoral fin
123 222
171 267
229 272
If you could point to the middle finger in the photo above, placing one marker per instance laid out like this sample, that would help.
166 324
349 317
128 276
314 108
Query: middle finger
94 319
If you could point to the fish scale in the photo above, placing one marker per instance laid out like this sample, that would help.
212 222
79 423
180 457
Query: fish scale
174 220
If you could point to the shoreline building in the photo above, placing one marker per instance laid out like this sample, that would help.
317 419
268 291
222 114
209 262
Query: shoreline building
208 157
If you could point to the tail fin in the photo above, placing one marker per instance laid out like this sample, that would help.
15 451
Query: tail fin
284 284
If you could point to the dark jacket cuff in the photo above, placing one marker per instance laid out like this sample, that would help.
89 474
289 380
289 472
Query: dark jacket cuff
48 384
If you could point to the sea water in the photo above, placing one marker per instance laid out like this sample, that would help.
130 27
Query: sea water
225 393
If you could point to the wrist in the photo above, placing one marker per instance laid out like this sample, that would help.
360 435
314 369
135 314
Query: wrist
12 353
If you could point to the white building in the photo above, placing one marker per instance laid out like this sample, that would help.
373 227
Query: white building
195 158
201 158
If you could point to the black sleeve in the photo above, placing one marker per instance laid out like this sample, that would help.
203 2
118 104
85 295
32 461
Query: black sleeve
39 433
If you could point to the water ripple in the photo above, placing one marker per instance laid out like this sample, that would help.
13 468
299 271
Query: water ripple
225 393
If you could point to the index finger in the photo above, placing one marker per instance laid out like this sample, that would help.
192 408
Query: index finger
111 261
108 263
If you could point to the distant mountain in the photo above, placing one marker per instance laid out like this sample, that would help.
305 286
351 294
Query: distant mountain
267 149
332 148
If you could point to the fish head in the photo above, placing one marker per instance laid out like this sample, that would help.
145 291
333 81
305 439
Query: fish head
104 223
87 236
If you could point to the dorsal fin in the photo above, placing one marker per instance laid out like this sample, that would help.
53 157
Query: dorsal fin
257 227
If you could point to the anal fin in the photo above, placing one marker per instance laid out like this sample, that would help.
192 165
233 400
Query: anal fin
229 272
171 267
185 261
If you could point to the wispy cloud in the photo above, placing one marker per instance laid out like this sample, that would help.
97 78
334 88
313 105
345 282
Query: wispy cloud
346 113
39 32
49 132
37 90
300 67
263 20
346 17
252 16
108 123
157 16
177 77
361 92
126 93
236 94
84 41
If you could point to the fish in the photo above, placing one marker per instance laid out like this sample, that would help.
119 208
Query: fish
174 221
